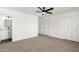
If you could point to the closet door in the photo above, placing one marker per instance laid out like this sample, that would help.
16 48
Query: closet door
67 28
44 26
75 28
41 26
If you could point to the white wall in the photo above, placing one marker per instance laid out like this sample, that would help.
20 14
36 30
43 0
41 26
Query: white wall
23 25
60 25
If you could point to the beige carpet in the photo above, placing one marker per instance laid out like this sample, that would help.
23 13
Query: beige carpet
41 43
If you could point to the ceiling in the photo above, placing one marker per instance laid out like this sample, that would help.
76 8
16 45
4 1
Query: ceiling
32 10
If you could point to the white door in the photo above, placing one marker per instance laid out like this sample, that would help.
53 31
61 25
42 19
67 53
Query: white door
75 28
67 28
41 26
44 26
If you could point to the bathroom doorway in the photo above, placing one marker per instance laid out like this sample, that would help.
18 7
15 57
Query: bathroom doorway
6 30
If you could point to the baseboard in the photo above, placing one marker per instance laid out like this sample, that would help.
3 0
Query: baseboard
25 38
57 37
62 38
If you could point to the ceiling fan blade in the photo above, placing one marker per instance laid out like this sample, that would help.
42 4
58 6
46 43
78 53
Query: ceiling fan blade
40 8
49 12
38 11
49 9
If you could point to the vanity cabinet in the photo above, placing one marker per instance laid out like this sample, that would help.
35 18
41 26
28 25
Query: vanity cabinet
3 34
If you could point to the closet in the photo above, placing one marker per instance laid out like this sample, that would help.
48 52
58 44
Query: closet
70 28
65 27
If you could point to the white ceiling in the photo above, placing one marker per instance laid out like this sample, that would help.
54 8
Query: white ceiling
32 10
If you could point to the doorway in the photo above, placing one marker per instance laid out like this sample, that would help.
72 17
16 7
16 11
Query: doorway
6 33
44 26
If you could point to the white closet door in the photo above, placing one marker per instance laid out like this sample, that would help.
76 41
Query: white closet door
46 27
75 28
43 26
40 26
67 28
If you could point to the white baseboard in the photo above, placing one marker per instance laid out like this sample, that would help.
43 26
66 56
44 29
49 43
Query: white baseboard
13 40
62 38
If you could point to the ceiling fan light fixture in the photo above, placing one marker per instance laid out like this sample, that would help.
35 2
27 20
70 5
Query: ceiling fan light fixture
43 13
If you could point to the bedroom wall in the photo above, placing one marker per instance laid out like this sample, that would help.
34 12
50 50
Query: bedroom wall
23 25
62 25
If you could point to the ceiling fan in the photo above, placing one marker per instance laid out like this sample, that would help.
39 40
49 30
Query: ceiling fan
44 10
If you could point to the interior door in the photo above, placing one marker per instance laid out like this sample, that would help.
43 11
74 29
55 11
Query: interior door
46 27
67 28
43 26
75 28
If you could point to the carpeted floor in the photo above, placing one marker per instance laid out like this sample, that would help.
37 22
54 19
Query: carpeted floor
41 43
